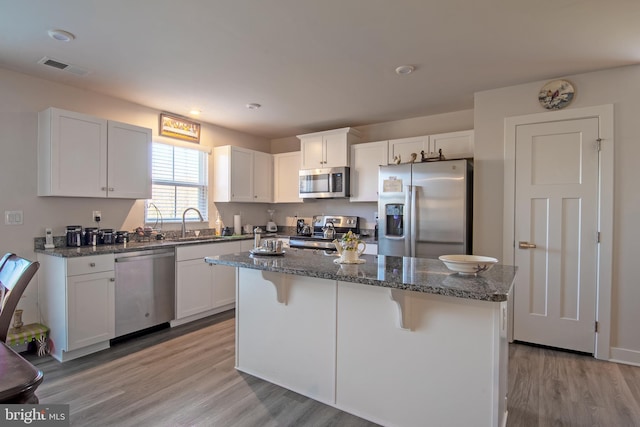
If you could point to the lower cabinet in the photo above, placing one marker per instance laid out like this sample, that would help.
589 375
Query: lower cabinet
91 309
203 288
77 302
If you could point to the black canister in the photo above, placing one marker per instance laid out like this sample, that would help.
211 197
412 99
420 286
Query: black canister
122 236
107 236
74 235
91 236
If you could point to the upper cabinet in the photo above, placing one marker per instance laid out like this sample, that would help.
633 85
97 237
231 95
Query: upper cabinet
454 145
403 148
242 175
365 161
327 149
286 187
85 156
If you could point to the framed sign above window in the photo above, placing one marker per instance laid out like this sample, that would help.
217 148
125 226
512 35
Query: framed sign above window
179 127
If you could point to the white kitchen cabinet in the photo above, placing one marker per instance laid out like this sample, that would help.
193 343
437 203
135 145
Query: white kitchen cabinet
203 289
77 301
85 156
242 175
286 331
454 145
327 149
286 187
262 177
129 161
404 147
365 161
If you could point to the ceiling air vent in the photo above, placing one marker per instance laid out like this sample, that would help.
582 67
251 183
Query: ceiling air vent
73 69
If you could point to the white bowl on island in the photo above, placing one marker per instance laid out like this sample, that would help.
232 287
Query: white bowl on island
468 264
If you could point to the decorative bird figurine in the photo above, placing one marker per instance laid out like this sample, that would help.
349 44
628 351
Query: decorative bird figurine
396 159
413 157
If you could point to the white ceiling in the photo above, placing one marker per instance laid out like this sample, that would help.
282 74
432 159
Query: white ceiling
315 65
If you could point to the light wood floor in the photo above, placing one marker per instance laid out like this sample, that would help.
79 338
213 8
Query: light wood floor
185 377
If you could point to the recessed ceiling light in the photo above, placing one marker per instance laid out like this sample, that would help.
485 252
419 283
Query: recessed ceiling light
61 35
405 69
195 111
253 106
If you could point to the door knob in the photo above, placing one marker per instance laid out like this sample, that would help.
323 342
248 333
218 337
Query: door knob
526 245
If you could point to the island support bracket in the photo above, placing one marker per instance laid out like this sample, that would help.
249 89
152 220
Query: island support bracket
281 283
403 303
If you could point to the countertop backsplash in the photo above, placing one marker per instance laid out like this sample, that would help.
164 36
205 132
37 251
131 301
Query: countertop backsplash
61 241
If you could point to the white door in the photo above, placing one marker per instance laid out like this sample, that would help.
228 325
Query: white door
556 225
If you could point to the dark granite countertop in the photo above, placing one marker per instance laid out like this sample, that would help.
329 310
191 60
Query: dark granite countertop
70 252
413 274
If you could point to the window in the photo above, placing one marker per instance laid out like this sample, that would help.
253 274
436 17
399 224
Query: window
180 181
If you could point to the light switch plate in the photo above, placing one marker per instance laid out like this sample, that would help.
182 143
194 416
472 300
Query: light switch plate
13 217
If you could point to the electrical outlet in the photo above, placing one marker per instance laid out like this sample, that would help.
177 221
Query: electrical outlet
97 216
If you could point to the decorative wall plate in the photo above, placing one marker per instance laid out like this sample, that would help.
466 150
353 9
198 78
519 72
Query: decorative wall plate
556 94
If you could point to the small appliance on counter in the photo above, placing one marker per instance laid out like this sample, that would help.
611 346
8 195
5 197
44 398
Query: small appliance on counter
271 225
107 236
303 229
122 236
91 236
74 235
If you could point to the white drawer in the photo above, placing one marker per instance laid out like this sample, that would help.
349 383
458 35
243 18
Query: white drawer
187 252
89 264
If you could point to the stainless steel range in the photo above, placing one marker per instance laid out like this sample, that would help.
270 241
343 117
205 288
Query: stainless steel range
341 223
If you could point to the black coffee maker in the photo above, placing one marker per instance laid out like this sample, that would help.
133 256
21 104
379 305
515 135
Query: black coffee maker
302 229
74 235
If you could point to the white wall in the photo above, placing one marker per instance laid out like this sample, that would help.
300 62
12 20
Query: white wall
621 87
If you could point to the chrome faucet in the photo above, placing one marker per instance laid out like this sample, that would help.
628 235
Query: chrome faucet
184 227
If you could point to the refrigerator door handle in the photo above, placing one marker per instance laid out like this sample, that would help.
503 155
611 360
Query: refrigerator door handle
408 218
414 219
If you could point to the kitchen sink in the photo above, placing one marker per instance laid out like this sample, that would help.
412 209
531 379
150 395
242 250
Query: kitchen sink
207 238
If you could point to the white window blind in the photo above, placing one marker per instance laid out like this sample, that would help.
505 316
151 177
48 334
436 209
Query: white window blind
180 181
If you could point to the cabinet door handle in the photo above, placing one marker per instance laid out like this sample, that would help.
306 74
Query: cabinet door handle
526 245
92 264
103 188
112 279
111 189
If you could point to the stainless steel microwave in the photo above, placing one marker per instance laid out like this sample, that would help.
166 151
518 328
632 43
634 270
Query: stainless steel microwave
325 183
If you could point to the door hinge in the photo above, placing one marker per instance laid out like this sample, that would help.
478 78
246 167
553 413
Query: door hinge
599 144
596 326
598 237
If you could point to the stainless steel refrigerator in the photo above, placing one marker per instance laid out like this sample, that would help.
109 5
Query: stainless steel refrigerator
425 209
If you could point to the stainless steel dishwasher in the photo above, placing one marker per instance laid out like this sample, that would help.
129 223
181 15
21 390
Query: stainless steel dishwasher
145 289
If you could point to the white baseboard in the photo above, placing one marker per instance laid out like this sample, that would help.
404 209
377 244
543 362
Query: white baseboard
178 322
622 355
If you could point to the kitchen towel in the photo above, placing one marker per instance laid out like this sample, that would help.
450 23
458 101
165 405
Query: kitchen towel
237 225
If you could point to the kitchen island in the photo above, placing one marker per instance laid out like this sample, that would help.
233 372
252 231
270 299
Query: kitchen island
398 341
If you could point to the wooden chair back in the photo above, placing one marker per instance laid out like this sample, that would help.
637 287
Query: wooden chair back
15 275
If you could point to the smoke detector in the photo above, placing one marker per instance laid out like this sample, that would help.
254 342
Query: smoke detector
55 63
